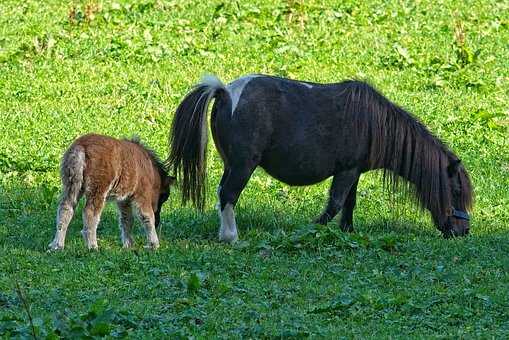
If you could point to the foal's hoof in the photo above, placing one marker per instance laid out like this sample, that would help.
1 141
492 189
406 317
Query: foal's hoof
228 236
152 246
93 247
55 247
127 244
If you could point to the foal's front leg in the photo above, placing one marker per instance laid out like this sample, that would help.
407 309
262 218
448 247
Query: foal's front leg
126 222
342 183
148 219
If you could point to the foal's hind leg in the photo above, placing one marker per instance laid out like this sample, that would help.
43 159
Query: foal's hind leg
64 215
91 217
233 183
340 188
126 222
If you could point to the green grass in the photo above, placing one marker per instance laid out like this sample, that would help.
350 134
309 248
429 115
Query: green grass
122 68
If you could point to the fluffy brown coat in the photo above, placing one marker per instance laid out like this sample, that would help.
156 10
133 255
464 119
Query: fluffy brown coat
100 168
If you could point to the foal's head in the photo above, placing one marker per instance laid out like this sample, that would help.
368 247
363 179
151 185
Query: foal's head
161 189
164 194
456 221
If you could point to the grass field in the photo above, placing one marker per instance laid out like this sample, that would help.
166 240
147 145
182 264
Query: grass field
121 68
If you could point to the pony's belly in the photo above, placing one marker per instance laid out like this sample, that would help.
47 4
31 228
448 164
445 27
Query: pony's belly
297 173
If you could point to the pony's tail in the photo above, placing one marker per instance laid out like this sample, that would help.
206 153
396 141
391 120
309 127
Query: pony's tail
71 173
188 140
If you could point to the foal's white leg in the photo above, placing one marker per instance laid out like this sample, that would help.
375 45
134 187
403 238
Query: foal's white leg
228 230
126 223
91 217
64 216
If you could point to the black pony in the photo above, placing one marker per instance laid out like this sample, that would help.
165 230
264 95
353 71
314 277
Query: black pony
302 133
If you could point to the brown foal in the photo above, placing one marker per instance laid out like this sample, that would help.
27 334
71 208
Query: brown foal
101 168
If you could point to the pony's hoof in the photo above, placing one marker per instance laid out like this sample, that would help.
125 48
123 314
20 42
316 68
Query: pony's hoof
322 220
347 228
228 236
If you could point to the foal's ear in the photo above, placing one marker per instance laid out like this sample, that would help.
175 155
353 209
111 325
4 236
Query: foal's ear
169 180
453 167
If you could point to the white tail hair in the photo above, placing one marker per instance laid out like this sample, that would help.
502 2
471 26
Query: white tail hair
212 81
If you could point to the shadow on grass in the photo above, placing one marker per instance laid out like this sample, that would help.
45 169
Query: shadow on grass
263 219
27 220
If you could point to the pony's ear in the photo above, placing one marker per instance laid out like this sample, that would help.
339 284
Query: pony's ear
453 167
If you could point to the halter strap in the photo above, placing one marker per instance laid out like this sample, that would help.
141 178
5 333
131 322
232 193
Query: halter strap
459 214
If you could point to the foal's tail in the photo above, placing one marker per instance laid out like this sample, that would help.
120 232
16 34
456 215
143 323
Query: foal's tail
188 140
71 173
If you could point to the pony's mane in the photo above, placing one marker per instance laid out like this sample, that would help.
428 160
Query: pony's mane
156 161
404 148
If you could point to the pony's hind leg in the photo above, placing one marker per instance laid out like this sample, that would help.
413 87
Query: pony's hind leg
339 190
126 222
232 185
226 171
91 217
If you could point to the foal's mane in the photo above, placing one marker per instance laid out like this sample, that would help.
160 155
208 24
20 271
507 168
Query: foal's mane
156 161
404 148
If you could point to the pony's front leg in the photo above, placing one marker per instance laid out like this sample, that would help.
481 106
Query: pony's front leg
346 222
339 190
235 179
